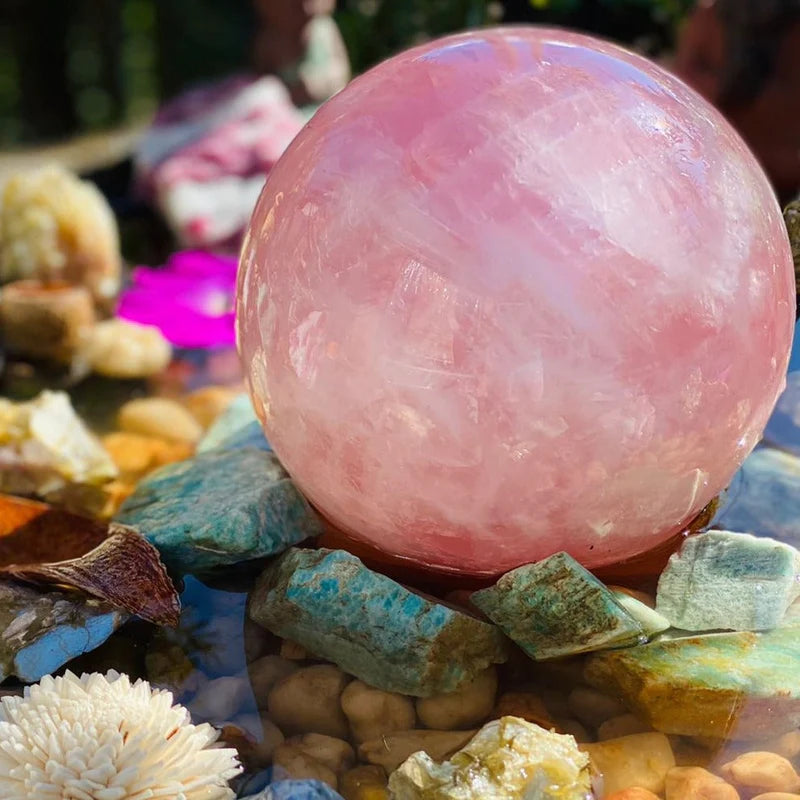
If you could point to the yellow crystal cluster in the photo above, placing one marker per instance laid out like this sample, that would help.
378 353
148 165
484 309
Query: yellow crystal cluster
508 759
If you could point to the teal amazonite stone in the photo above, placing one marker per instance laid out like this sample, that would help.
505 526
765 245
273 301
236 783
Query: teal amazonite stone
220 507
744 685
557 608
729 581
235 428
371 626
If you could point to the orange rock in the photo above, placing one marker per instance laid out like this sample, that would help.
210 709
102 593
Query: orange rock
206 404
136 454
696 783
634 793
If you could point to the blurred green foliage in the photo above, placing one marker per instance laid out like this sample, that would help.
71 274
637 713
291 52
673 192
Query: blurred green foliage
70 66
375 29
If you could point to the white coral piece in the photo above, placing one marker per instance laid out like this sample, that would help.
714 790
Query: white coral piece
99 737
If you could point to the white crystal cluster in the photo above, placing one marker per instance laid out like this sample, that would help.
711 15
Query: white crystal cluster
100 737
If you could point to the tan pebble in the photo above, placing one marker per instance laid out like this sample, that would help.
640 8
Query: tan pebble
309 701
261 754
291 761
632 793
372 713
525 705
265 673
762 771
159 416
464 708
777 796
293 651
593 708
787 745
575 729
623 725
642 597
336 754
367 782
392 750
555 702
642 759
206 404
696 783
117 492
255 755
135 455
121 349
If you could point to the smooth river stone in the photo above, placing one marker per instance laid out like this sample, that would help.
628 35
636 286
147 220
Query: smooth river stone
42 631
557 608
218 508
721 580
513 292
370 626
743 685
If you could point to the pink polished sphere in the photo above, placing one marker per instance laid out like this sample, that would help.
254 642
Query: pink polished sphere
514 292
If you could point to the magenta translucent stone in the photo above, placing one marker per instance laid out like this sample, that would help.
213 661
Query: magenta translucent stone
514 292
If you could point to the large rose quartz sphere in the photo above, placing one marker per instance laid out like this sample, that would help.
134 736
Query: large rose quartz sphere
514 292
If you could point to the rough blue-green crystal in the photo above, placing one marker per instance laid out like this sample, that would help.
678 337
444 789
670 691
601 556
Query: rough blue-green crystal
41 631
721 580
556 608
744 685
235 428
221 507
371 626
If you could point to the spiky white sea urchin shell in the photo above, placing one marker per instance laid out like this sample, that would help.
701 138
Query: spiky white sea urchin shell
99 737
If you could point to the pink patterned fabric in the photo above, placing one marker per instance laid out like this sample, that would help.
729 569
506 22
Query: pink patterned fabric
205 160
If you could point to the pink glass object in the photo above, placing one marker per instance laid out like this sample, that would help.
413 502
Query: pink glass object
513 292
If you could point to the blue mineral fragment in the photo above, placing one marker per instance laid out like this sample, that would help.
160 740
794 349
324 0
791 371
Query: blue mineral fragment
235 428
296 790
219 508
371 626
556 608
41 631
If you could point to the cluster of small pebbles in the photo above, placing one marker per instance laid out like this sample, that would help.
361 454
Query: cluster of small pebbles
322 724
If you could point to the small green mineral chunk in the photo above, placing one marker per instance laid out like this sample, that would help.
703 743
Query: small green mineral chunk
556 608
508 759
729 581
744 685
371 626
651 621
